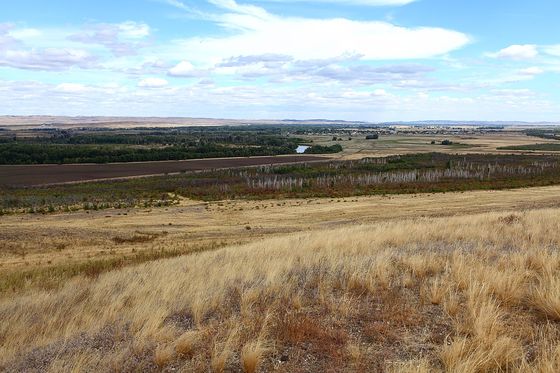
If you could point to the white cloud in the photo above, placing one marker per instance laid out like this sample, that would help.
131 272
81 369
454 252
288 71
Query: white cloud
531 71
26 33
517 52
251 102
153 83
59 49
123 39
183 69
553 50
70 88
52 59
513 93
254 29
6 38
134 30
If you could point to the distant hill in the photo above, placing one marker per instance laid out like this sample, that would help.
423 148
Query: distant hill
468 123
128 122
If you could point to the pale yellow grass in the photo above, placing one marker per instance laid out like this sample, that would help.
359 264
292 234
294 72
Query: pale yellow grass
487 143
339 292
42 241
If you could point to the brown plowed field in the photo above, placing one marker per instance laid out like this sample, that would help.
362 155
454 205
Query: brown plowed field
44 174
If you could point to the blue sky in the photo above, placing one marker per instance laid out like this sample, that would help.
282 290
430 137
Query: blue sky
374 60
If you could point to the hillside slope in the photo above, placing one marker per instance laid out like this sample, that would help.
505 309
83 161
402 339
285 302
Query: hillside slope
467 294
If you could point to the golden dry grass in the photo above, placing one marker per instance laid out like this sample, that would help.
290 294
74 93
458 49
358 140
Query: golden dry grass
416 295
411 143
45 250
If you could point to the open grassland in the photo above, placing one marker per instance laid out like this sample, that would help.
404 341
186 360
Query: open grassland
475 293
44 251
487 143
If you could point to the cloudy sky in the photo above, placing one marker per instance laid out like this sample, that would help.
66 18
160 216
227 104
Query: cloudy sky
374 60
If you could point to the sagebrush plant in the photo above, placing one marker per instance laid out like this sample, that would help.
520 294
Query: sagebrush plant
473 293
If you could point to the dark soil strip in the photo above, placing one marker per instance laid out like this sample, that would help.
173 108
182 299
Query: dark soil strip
37 175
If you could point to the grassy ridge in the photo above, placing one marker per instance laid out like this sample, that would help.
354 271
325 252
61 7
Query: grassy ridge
463 294
55 275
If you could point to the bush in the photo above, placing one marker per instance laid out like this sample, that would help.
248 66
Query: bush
319 149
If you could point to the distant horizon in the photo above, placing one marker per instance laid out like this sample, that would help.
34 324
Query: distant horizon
145 120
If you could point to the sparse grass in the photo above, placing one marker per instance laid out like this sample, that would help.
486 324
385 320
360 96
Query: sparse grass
415 366
463 294
223 351
136 238
55 275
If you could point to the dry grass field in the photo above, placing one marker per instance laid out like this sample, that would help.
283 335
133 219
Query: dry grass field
386 145
462 282
45 250
468 293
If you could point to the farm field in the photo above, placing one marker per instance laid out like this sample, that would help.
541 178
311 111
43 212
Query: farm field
405 174
550 147
117 152
35 175
386 145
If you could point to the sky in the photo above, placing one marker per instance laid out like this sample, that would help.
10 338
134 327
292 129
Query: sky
369 60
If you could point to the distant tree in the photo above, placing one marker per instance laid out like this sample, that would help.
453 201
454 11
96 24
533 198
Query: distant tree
319 149
447 142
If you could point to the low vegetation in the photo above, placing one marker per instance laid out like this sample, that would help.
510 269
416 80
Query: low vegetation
473 293
324 149
548 147
415 173
52 275
548 133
